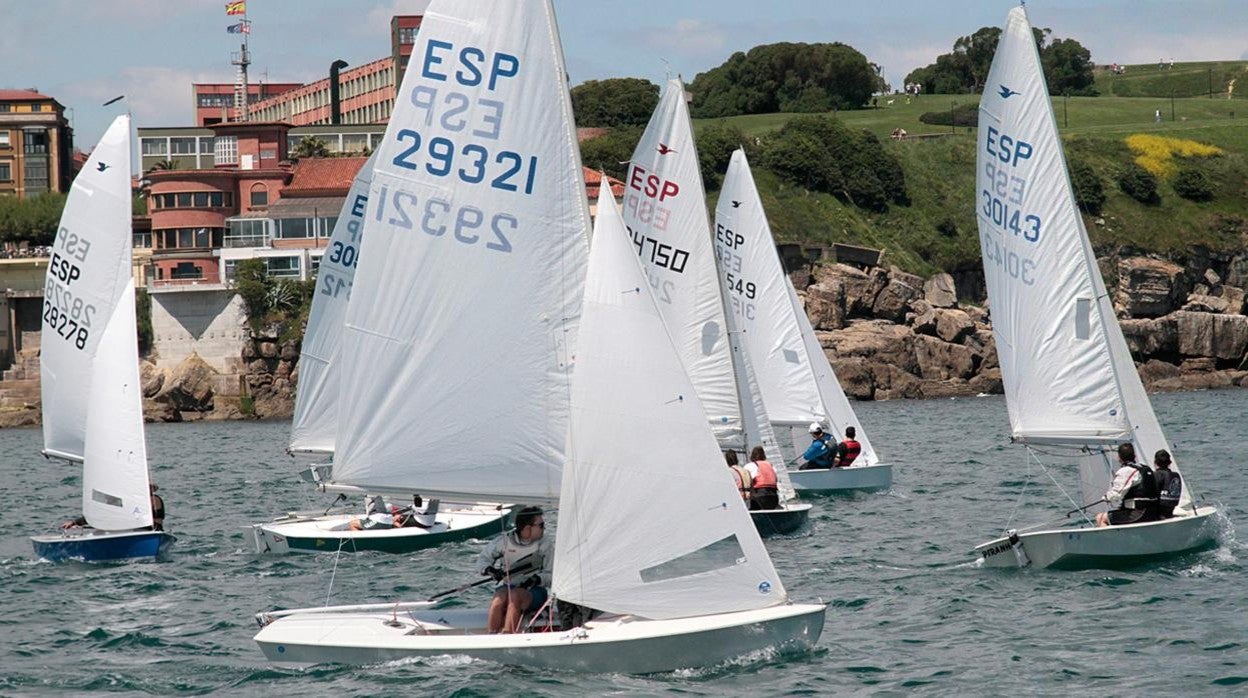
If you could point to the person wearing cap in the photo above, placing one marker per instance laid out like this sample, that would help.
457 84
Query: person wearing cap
822 451
1169 484
520 563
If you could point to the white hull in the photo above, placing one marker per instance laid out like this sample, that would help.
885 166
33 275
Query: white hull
1107 546
299 533
865 478
612 644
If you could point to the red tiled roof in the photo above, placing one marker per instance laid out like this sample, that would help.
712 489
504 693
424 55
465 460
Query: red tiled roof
9 95
593 181
323 176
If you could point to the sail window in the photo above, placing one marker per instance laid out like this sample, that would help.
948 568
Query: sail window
724 552
1083 318
105 498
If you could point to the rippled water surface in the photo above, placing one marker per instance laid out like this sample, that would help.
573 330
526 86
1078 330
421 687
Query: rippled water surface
908 606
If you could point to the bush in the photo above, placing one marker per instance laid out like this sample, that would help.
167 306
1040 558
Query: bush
820 153
143 317
1089 193
964 115
251 284
1139 184
716 144
1193 184
612 151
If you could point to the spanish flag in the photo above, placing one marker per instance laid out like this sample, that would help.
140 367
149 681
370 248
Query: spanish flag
236 8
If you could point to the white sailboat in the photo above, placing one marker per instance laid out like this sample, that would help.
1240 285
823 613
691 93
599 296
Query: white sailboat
1070 384
796 381
89 364
314 425
666 218
689 584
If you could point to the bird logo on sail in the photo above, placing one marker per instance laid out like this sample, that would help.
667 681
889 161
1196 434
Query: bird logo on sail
100 166
664 150
1006 92
736 204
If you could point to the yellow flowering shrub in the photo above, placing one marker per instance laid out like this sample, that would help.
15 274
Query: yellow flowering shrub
1156 153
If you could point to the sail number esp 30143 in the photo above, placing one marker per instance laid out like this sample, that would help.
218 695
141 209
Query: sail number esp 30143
1003 199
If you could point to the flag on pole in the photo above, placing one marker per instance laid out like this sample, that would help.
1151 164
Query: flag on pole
236 8
240 28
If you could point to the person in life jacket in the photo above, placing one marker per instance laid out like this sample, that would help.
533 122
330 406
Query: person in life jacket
744 480
764 493
822 450
1169 484
520 562
1134 490
158 513
848 450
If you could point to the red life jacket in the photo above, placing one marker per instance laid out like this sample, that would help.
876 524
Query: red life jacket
852 449
766 477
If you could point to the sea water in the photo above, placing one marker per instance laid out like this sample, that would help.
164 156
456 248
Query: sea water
908 605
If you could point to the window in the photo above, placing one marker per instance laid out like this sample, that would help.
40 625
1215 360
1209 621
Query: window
283 267
4 139
205 144
290 228
36 107
407 35
354 142
36 142
182 146
143 239
36 176
187 270
5 107
6 172
225 149
248 232
155 146
200 199
259 195
216 199
187 238
184 199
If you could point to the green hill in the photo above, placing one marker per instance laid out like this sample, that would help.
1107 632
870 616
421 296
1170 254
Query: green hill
938 230
1215 78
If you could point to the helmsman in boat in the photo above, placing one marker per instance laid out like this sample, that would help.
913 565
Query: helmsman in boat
822 451
520 562
1134 490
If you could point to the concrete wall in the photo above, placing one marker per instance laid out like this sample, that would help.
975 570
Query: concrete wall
208 323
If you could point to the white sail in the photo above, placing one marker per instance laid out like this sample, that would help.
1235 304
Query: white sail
462 317
665 217
690 547
1067 373
83 287
797 383
115 492
316 402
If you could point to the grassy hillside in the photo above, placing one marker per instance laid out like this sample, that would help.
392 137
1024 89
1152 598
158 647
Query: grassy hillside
1183 80
938 230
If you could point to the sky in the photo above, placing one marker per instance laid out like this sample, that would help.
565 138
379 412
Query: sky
85 52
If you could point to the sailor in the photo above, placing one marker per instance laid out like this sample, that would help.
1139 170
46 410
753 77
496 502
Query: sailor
822 450
1169 484
848 450
520 562
376 515
1134 490
741 475
422 514
764 494
158 509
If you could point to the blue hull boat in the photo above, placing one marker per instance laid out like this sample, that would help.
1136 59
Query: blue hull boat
100 546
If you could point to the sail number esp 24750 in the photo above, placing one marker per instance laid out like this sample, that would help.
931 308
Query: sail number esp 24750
1002 198
466 150
63 311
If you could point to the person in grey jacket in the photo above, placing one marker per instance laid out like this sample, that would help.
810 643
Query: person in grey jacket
520 562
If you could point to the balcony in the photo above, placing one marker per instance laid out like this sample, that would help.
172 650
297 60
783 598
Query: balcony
183 281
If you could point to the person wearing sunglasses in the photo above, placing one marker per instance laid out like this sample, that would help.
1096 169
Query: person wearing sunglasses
520 564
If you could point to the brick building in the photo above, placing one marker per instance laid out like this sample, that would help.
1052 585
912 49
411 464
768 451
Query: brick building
36 144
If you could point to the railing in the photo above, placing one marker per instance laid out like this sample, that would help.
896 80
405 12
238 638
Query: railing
235 241
205 282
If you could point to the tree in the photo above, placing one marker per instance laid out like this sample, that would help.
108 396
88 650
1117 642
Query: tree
612 151
1068 68
716 144
785 77
615 102
33 220
310 147
820 153
1067 64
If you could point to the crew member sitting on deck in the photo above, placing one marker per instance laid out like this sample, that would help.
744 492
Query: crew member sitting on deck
1134 490
764 494
848 450
1169 485
822 450
520 562
744 480
158 513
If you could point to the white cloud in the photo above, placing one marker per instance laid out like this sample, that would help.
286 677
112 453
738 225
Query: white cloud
689 38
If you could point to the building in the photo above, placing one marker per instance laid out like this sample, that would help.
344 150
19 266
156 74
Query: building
365 95
214 102
403 30
36 144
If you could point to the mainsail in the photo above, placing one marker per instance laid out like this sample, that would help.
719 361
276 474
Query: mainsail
461 322
1068 375
690 547
316 402
797 383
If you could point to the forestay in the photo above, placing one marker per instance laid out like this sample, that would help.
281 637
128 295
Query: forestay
83 287
797 383
691 548
316 402
1067 373
461 321
665 216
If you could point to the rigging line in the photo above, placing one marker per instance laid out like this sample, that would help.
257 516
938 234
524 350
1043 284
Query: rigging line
1059 486
1019 502
338 555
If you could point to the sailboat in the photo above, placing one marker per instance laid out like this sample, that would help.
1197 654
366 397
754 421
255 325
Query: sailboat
1070 385
666 218
795 379
679 574
89 365
314 425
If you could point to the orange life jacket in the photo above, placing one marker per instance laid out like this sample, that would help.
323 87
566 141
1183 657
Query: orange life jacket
766 475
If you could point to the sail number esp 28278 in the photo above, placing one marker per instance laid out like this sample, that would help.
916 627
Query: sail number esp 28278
471 156
68 314
1002 197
